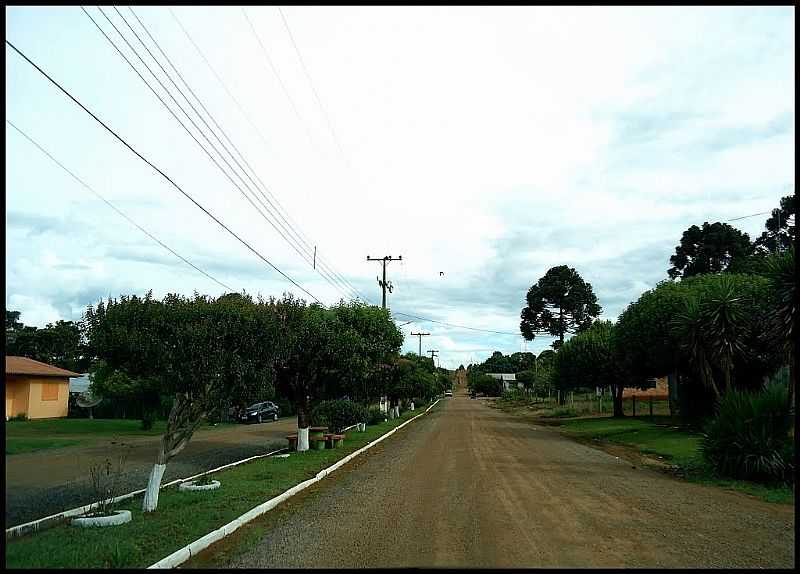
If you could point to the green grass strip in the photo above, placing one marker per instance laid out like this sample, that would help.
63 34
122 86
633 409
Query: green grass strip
674 445
23 445
182 517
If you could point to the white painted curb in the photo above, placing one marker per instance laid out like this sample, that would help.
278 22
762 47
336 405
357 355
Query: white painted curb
37 524
190 486
180 556
119 517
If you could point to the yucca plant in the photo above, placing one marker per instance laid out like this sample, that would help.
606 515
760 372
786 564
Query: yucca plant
781 271
749 436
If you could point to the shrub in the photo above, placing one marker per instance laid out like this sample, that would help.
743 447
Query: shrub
338 414
19 417
148 419
749 438
375 416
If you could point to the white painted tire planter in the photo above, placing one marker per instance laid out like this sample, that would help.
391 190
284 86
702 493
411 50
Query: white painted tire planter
119 517
192 487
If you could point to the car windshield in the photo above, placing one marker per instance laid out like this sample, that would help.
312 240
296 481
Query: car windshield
254 407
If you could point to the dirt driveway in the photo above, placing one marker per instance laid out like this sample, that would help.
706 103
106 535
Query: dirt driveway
48 481
467 486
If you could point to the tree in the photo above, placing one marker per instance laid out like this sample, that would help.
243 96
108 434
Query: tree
720 331
60 343
200 350
561 302
710 249
645 344
783 317
780 227
322 351
588 360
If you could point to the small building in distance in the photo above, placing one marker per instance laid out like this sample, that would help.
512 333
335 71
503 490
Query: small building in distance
35 389
509 380
658 389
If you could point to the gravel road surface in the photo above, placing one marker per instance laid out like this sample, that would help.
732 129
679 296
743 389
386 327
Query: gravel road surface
42 483
468 486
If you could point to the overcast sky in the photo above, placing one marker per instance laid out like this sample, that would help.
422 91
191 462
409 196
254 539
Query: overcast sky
486 143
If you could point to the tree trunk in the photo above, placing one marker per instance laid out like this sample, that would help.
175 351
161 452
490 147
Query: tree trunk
792 374
303 415
616 395
184 418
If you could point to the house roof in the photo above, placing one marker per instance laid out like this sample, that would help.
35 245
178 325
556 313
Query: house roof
26 366
503 376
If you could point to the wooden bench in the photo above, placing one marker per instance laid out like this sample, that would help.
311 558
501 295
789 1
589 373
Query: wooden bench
317 442
292 438
334 440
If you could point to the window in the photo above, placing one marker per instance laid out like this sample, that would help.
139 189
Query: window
50 391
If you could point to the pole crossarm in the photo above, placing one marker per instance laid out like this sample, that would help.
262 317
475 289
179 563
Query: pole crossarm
384 284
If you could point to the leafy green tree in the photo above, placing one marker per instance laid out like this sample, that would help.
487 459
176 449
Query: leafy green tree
522 361
710 249
115 385
200 350
780 231
61 343
561 302
644 342
588 360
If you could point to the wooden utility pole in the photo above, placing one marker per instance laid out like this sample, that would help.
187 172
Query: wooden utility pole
433 353
384 283
420 335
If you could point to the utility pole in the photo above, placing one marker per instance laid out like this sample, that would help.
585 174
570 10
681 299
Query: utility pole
433 353
420 335
384 283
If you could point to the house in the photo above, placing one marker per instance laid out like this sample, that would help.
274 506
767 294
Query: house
659 389
509 380
38 390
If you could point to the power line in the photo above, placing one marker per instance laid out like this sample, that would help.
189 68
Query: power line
263 140
280 80
751 215
296 245
115 208
311 83
202 133
160 172
456 326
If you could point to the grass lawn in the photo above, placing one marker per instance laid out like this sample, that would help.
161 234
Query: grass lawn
182 517
29 436
680 447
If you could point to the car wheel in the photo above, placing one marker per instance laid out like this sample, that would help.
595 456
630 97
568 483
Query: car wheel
275 416
259 418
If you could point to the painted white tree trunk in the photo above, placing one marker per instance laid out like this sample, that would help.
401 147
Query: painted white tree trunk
302 439
153 486
412 406
397 411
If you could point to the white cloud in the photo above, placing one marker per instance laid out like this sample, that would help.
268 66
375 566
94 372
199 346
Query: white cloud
488 143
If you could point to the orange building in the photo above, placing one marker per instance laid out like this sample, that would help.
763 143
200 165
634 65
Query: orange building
38 390
659 389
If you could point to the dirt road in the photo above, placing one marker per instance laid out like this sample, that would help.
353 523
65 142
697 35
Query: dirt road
45 482
467 486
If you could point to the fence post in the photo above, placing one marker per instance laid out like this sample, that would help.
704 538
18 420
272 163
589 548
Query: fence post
651 406
634 405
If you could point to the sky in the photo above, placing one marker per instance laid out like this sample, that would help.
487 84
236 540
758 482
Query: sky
484 145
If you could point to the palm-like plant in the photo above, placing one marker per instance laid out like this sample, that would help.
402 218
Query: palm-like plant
724 324
712 328
781 271
689 329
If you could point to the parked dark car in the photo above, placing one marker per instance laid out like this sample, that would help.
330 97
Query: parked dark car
260 412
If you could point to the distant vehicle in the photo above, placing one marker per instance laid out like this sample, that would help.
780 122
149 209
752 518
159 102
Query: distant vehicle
448 393
260 412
